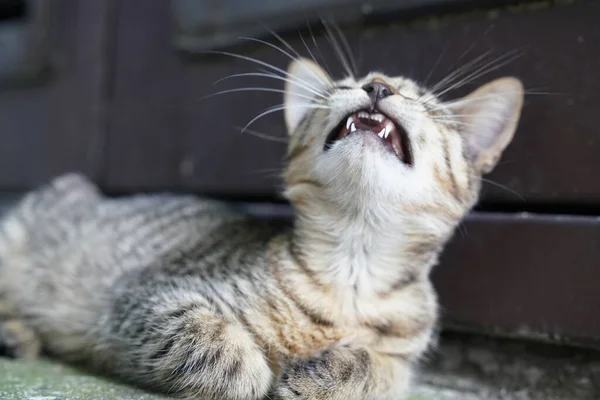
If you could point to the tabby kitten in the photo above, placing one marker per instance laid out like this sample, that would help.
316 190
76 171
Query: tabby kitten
194 298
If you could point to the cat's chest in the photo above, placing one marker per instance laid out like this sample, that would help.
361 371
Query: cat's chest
399 324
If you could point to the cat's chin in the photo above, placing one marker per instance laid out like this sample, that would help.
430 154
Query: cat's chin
363 164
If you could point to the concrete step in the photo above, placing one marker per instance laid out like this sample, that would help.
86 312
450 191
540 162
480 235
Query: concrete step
464 367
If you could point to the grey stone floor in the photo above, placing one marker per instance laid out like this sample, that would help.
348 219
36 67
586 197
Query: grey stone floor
467 367
464 367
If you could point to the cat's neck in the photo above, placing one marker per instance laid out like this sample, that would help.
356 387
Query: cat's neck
364 250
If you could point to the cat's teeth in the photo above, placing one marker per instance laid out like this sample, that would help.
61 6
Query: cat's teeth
387 130
352 127
349 121
373 117
383 132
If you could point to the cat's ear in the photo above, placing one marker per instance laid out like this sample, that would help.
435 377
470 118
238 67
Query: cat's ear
305 80
488 118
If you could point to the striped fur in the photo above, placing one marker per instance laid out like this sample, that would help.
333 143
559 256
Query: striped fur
191 297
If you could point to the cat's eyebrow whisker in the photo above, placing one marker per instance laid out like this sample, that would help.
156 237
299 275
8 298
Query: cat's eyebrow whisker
437 62
456 74
281 107
488 67
272 76
251 89
318 49
346 45
331 83
291 48
267 65
286 54
337 48
458 71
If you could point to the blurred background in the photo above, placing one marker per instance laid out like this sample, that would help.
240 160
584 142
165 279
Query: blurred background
115 89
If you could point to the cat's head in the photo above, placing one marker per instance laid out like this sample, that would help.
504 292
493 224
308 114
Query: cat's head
385 143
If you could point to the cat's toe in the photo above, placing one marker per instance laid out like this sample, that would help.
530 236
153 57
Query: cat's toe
17 340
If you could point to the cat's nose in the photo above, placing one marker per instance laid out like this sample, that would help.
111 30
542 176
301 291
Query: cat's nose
377 91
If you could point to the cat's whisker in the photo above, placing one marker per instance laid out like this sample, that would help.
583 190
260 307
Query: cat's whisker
474 69
337 49
493 65
250 89
346 45
271 45
263 73
291 48
262 135
484 70
458 124
456 74
467 68
467 51
264 170
534 92
271 67
331 83
461 102
462 228
267 74
472 46
282 107
457 120
458 116
435 65
504 162
503 187
324 62
320 79
267 173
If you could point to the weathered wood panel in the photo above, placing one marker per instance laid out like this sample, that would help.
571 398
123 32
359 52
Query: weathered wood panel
54 125
163 136
524 274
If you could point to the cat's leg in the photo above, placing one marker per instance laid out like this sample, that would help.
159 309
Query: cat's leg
345 373
189 349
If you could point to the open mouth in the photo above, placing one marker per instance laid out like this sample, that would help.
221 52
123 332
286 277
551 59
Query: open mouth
391 134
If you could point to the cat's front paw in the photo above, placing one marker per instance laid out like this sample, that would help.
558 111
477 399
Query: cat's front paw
17 340
335 374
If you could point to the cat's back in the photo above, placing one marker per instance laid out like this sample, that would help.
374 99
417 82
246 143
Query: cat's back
71 210
67 239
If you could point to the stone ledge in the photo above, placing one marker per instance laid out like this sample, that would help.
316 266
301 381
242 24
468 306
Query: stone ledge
464 367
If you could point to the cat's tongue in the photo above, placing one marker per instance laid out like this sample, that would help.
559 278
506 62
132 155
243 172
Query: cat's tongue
377 124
